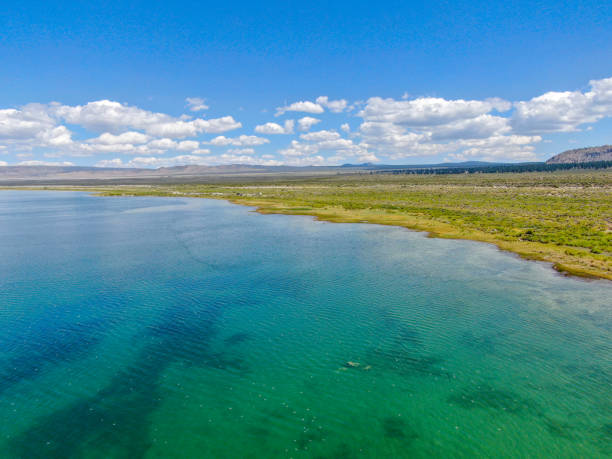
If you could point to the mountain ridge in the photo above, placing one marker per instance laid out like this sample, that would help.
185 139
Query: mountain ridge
583 155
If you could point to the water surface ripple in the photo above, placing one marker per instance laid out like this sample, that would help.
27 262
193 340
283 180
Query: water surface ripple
149 327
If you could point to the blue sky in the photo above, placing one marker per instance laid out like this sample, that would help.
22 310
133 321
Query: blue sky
161 83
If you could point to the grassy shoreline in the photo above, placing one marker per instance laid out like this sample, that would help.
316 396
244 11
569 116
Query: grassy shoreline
564 218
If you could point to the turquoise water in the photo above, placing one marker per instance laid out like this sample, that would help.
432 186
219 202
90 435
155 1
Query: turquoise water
159 327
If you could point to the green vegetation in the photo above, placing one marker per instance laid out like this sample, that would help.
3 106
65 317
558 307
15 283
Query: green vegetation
563 217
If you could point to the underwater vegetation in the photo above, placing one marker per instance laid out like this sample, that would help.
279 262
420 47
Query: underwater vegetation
34 354
398 429
487 397
116 420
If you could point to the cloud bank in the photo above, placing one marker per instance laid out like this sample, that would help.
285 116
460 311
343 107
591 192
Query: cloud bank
384 129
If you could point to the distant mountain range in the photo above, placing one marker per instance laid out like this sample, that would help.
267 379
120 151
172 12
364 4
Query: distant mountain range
583 155
50 174
41 175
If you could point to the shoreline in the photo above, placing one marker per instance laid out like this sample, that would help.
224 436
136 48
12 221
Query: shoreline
529 251
564 270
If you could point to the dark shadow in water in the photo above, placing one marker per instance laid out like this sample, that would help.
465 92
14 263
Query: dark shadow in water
603 439
47 348
397 429
559 429
237 338
312 434
343 451
484 343
223 361
407 363
408 337
488 397
592 374
115 421
403 353
490 335
258 431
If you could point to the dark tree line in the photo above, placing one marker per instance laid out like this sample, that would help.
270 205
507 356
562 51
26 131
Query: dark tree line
500 168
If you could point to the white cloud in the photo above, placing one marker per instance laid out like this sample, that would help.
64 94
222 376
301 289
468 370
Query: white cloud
427 111
240 141
114 117
188 145
564 111
25 123
196 104
162 144
334 106
390 129
275 128
307 122
129 137
3 163
241 151
481 126
180 129
58 136
30 126
302 106
430 126
320 136
326 141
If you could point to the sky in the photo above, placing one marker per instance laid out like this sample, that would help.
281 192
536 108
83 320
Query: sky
153 84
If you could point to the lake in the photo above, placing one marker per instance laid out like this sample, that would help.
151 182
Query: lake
171 327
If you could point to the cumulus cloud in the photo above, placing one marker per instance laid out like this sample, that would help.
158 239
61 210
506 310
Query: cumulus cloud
320 135
429 126
301 106
241 151
305 123
188 145
32 125
334 106
275 128
122 129
240 141
115 117
162 144
564 111
492 129
130 137
313 143
196 104
428 111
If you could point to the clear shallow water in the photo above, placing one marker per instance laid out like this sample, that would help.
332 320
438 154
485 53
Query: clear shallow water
149 327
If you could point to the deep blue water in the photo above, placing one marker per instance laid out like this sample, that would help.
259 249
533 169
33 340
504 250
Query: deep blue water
161 327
